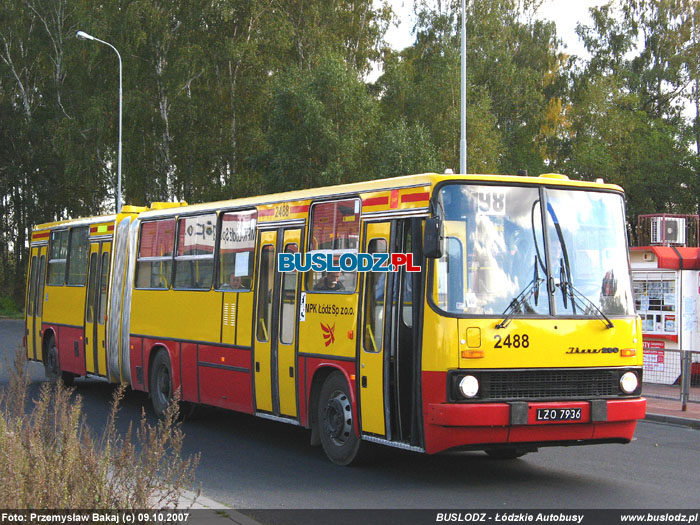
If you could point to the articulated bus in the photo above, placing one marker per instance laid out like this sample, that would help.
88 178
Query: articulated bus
517 332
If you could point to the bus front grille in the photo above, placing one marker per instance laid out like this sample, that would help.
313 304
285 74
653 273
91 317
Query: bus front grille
552 384
549 384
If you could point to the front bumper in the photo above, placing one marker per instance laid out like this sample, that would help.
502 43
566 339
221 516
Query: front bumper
450 425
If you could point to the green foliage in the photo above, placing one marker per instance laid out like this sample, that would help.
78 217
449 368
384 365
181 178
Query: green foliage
8 307
625 120
320 126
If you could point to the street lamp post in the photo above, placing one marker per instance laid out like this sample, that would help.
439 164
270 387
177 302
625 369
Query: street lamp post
82 35
463 120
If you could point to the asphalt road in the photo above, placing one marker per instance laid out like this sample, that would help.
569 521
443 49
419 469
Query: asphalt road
250 463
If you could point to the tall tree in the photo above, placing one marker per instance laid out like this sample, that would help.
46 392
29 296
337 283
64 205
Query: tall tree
627 123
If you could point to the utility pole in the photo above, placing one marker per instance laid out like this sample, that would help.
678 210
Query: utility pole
463 139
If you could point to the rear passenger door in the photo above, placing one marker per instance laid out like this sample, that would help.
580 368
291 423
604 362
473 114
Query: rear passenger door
96 308
275 358
35 301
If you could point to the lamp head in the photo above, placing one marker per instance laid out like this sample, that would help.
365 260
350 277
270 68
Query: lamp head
82 35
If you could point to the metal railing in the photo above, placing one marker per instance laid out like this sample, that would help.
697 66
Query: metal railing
672 374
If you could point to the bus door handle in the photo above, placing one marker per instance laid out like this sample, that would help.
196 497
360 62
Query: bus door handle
364 381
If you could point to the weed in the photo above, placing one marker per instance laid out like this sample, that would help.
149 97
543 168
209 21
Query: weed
50 459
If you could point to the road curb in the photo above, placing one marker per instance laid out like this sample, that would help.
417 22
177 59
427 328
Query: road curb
674 420
210 511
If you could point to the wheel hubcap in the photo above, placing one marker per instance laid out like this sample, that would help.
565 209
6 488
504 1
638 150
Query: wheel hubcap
163 387
52 361
338 418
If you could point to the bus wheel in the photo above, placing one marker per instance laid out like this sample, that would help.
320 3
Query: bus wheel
161 383
52 369
335 420
507 453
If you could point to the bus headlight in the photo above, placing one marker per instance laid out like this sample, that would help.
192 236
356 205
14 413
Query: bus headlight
629 382
469 386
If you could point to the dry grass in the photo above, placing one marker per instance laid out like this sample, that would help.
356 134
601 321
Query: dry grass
50 459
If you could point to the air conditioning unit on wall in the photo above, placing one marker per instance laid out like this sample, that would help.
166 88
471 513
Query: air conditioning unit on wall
667 230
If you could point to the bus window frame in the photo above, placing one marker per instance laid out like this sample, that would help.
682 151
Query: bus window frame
199 257
259 296
366 292
50 260
154 259
68 257
219 287
307 280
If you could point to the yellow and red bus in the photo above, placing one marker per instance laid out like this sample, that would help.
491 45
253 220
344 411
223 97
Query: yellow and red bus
518 331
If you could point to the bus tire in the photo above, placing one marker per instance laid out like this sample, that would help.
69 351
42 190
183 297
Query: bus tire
506 453
161 383
336 421
52 368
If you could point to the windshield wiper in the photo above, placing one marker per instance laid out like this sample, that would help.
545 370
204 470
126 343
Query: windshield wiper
578 296
520 304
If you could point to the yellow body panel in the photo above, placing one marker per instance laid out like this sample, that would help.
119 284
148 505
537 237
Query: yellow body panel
440 351
229 319
64 305
333 315
181 314
552 343
244 322
445 341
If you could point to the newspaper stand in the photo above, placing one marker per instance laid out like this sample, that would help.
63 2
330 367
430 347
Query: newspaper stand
666 286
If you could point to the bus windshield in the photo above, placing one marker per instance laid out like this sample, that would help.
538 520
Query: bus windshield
498 257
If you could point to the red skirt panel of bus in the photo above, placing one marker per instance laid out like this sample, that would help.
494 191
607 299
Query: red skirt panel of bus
212 375
188 372
225 378
449 425
71 347
310 366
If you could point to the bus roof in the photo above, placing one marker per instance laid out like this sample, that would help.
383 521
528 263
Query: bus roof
407 181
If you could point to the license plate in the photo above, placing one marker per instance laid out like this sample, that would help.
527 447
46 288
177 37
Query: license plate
558 414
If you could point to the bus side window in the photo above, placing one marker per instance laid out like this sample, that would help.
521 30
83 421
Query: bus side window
335 230
450 285
407 288
265 288
32 285
58 255
155 255
40 284
237 250
288 301
194 260
104 282
90 303
78 256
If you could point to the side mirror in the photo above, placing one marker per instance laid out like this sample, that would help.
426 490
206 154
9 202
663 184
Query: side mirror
432 238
